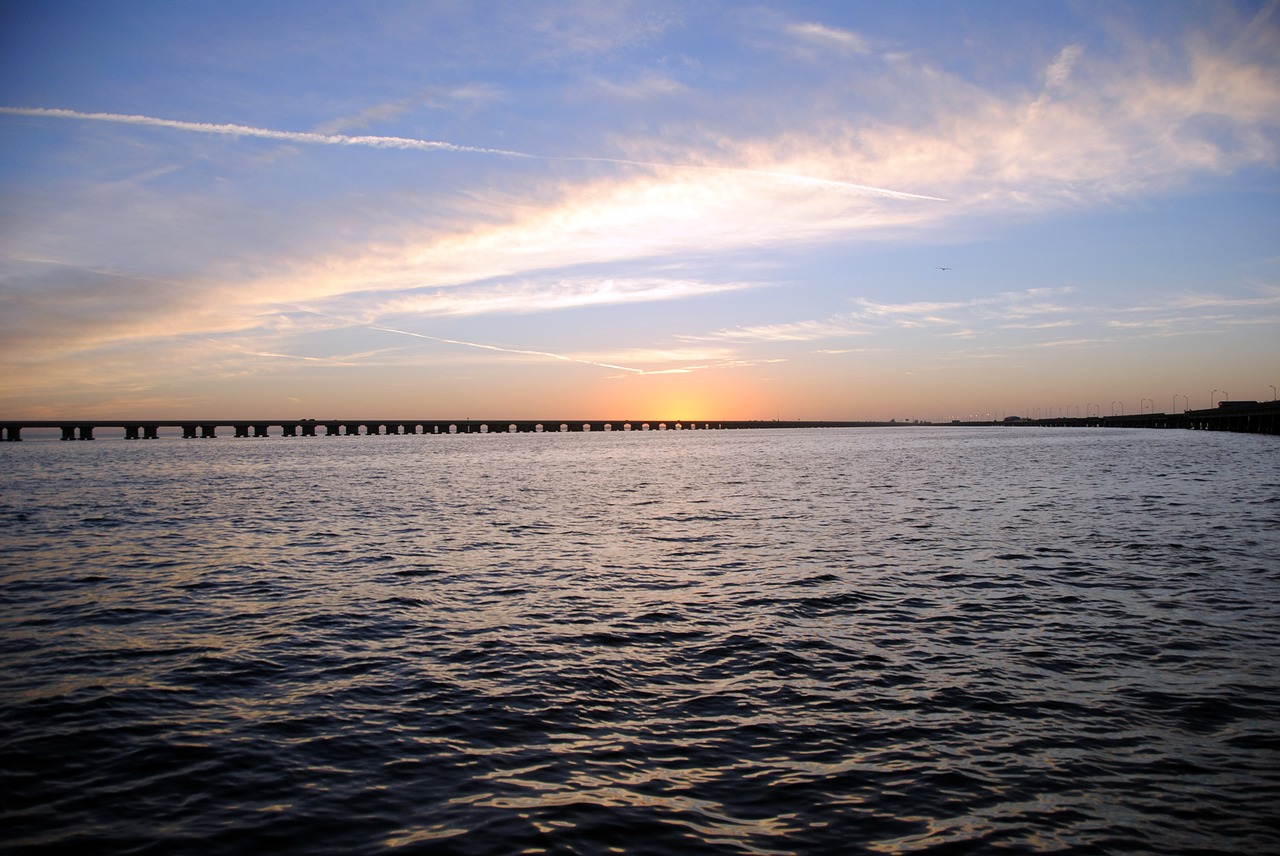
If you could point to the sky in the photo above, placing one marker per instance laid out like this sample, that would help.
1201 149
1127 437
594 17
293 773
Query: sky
591 209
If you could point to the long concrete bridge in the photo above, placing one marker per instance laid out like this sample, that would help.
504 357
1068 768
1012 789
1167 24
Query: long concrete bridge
141 429
1247 417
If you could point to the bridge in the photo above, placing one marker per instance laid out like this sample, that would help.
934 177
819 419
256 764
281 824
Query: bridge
1246 417
140 429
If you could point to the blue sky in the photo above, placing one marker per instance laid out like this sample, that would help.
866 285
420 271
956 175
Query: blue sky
637 210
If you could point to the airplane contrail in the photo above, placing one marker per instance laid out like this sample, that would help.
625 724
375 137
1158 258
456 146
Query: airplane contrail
505 350
264 133
380 142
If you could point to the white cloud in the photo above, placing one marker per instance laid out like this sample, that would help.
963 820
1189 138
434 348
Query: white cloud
1044 325
832 37
650 85
526 297
1057 73
1268 295
796 331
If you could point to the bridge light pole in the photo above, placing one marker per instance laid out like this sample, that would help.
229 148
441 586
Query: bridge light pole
1273 391
1211 395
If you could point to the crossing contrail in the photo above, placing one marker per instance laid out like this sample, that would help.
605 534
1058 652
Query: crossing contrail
505 350
409 143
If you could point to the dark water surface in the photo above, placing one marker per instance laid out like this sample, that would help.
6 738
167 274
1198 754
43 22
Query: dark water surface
821 641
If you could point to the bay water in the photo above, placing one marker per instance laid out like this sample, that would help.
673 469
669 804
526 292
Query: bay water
935 640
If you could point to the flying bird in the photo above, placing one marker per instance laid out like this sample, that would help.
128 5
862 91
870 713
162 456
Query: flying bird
944 268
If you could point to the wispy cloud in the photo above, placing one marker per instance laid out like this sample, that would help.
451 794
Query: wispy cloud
927 310
650 85
462 97
831 37
986 317
1065 343
1268 295
796 331
526 297
1043 325
1060 69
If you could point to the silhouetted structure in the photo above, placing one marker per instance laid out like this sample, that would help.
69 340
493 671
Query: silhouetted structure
208 428
1241 416
1250 417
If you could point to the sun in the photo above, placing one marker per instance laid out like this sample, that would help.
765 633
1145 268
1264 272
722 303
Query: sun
685 398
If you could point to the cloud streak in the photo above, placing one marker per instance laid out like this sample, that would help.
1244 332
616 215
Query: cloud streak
411 144
522 298
231 130
521 351
830 36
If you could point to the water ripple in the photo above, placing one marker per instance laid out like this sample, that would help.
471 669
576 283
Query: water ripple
929 641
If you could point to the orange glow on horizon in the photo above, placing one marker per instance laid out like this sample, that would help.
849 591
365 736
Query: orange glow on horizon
681 398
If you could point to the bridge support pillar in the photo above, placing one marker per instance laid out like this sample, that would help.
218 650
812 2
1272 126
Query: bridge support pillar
331 429
260 431
242 430
189 431
289 429
151 432
308 429
209 431
131 432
